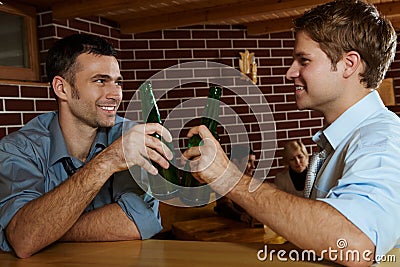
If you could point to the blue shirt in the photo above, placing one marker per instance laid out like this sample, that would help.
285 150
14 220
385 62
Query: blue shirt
31 165
361 177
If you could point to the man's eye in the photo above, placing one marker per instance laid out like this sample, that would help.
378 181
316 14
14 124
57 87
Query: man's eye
99 81
304 61
119 83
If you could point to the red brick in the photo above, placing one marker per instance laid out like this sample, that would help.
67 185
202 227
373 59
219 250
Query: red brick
192 43
270 43
231 53
2 132
298 133
272 80
176 34
145 74
288 43
45 18
297 115
10 119
282 35
146 54
134 44
231 34
163 64
34 92
19 105
271 62
79 24
9 90
178 54
218 43
148 35
26 117
163 44
285 107
135 64
208 53
204 34
12 129
248 44
45 31
287 125
310 123
63 22
170 104
46 105
180 93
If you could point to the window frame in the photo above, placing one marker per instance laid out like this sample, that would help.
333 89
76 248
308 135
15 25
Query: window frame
30 73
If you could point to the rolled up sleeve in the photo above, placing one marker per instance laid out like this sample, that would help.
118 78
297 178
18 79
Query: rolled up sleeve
15 188
143 210
369 197
139 206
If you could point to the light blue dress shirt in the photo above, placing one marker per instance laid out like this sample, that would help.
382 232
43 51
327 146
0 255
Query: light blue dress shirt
30 166
361 177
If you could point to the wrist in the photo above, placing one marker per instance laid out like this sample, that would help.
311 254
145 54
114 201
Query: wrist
106 162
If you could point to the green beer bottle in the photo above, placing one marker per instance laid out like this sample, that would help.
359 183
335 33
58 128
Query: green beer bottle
161 187
191 194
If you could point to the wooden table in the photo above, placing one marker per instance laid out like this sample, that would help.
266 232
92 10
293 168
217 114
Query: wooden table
222 229
150 253
217 228
153 253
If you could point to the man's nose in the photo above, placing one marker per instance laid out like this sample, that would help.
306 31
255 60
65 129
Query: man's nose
292 72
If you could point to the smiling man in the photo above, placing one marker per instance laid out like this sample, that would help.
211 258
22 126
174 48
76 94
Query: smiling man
342 52
64 175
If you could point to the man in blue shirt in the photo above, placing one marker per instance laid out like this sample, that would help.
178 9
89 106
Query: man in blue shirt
342 52
64 176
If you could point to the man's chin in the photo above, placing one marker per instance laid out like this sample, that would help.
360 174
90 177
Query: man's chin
107 123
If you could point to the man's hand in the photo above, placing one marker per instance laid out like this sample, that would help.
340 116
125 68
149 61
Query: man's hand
137 146
210 164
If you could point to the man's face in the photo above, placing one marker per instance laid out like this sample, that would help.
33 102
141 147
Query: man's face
247 164
250 167
317 85
97 93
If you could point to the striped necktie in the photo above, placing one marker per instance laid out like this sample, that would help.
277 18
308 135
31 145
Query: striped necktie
316 162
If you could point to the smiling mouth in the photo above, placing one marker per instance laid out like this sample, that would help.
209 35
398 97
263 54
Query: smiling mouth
108 108
300 88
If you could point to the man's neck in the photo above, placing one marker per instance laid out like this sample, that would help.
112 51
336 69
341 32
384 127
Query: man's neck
78 137
345 103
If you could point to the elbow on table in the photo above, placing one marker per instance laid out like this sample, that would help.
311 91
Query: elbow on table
22 250
22 247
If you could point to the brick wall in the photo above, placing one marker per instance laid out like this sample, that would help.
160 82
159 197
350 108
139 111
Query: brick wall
144 56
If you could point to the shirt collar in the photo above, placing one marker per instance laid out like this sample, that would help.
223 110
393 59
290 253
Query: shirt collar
349 120
58 147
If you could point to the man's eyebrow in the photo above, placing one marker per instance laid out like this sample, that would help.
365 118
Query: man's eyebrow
300 54
106 77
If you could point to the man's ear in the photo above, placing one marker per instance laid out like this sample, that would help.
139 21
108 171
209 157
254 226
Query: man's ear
60 87
352 61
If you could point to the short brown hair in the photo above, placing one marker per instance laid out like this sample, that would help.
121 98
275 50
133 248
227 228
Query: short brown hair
351 25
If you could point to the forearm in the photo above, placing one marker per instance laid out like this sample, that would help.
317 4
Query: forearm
47 218
108 223
309 224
